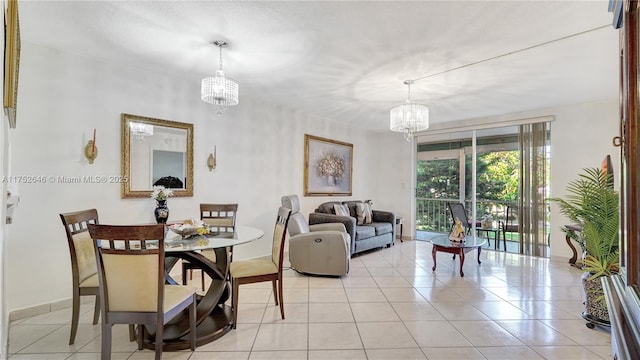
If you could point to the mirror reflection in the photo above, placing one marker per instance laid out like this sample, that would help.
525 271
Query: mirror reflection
156 152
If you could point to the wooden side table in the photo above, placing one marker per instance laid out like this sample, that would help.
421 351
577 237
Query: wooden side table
574 258
399 221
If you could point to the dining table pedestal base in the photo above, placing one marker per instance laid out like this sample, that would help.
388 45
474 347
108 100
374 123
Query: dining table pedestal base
213 326
213 317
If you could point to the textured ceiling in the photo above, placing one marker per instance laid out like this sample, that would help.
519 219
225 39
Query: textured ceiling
347 60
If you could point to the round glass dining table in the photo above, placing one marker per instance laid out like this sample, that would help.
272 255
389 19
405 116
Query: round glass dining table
214 318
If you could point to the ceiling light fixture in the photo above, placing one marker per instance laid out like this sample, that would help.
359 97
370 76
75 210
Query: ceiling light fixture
409 117
218 89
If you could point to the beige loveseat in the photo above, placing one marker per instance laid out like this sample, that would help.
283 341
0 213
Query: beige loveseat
379 233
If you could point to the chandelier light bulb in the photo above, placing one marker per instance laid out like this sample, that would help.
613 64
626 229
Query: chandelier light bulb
140 130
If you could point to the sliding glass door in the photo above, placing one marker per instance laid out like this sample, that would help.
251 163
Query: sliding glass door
509 186
438 182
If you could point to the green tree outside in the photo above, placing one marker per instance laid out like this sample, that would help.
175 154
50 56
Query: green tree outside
498 179
498 176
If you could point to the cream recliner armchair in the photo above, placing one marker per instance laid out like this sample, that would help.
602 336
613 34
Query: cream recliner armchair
321 249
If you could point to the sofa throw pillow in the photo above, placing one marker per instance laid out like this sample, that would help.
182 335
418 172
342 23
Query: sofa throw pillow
360 213
368 212
341 209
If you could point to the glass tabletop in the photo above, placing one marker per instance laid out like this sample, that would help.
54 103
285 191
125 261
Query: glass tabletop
175 242
241 235
470 242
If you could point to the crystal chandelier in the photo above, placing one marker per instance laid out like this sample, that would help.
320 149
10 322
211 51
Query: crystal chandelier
409 117
140 130
218 89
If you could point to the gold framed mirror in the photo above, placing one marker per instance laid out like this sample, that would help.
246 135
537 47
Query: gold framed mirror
156 152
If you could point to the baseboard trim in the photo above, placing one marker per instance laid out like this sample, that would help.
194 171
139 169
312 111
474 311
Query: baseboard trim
560 259
30 311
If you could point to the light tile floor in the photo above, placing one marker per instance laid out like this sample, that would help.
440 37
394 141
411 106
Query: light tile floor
390 306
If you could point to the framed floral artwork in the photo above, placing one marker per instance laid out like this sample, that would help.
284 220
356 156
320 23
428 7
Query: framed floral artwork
328 167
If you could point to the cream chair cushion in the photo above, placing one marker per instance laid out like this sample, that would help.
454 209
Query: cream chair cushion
174 295
139 291
278 233
91 281
86 256
248 268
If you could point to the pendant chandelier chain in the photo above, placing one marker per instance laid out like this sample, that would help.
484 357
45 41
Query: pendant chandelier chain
220 52
408 83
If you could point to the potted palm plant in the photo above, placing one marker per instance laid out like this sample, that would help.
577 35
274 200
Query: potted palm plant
592 204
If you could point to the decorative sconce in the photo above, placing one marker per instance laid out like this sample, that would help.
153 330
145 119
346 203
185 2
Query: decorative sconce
211 160
90 150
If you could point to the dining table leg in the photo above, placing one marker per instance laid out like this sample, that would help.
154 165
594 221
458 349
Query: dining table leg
433 253
461 262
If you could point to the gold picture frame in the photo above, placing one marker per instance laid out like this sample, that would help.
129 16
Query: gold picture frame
328 167
168 147
11 60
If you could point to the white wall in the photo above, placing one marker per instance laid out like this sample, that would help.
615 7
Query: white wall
395 174
581 137
63 97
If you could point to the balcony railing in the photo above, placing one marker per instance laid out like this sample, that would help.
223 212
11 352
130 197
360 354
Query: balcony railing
433 215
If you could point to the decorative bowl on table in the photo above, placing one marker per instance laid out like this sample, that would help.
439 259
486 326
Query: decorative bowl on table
190 228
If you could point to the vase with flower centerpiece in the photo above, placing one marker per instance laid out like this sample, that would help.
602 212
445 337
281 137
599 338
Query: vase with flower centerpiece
160 195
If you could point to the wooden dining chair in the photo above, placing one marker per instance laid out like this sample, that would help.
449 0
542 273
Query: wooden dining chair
253 271
131 273
84 271
220 218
